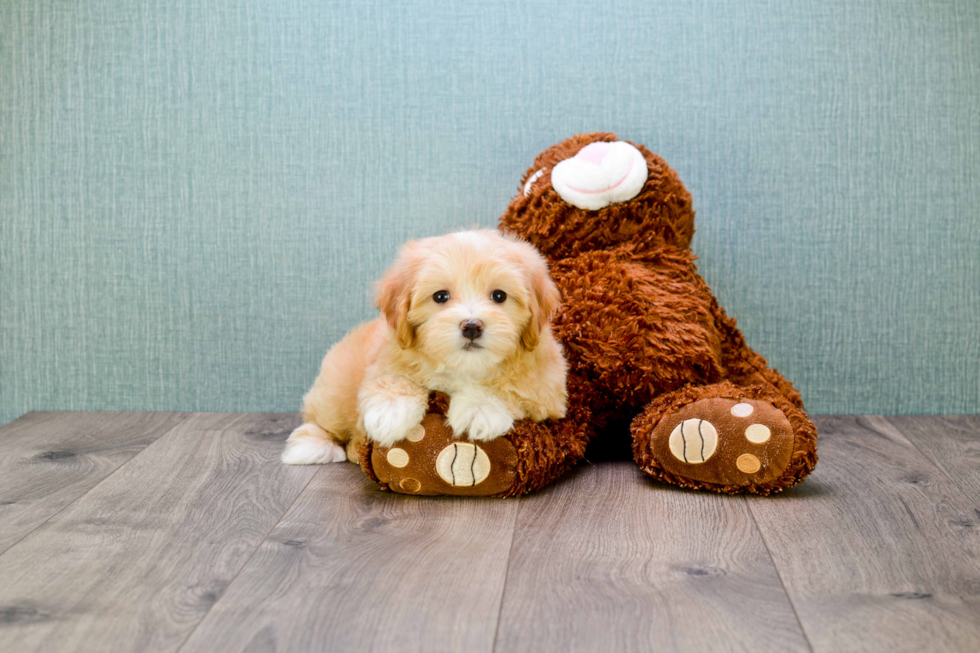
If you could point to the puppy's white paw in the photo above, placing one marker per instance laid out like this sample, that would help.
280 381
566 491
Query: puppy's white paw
483 419
310 445
389 419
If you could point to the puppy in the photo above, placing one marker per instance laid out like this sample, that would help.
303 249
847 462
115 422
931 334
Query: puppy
467 314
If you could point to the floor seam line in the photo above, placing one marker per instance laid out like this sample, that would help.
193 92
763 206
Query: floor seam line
503 592
249 559
942 470
779 575
185 415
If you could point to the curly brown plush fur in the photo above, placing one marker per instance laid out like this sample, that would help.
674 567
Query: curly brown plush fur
640 325
651 354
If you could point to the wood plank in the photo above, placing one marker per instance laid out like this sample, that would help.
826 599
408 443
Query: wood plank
136 563
351 568
952 442
48 460
878 549
610 561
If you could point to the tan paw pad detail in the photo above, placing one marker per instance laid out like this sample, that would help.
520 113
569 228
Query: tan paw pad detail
757 434
416 434
397 457
463 463
748 463
742 409
693 441
410 485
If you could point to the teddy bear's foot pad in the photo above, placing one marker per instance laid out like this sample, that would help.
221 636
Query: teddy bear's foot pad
724 441
432 461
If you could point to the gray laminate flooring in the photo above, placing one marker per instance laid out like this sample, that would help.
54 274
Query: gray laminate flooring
183 532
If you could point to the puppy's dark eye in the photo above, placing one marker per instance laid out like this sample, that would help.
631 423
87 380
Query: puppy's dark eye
498 296
441 297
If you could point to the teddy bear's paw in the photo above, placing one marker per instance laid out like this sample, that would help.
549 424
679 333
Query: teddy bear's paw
729 442
431 460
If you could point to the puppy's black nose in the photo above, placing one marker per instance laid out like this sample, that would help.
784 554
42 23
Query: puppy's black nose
472 329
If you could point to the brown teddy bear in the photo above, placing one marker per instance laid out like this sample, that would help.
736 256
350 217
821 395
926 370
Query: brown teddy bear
650 351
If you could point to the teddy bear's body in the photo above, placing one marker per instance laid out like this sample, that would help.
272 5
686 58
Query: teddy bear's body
651 353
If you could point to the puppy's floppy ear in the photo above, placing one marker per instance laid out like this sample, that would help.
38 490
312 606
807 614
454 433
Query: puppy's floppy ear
395 296
544 297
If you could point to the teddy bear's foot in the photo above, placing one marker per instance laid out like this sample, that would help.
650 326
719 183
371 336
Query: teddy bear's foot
725 438
725 441
432 461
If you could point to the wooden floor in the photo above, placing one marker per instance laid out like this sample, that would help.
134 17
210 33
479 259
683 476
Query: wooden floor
166 532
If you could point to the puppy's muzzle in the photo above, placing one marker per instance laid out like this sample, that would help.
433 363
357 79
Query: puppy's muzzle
472 329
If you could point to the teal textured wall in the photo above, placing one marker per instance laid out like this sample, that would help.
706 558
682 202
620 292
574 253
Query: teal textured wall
196 194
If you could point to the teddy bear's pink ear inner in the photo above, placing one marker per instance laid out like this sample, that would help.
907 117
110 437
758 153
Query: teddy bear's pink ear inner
600 174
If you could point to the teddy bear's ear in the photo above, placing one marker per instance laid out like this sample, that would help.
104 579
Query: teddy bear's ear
544 298
395 297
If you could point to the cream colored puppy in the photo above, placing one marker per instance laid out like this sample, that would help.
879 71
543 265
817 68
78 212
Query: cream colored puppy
467 314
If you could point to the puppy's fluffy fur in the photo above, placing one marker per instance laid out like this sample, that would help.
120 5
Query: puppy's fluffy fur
375 382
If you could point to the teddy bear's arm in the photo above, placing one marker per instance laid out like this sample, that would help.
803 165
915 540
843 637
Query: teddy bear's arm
638 326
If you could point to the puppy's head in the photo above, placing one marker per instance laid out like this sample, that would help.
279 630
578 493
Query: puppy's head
468 300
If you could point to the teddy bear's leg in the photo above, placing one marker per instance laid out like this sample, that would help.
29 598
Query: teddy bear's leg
725 438
434 461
